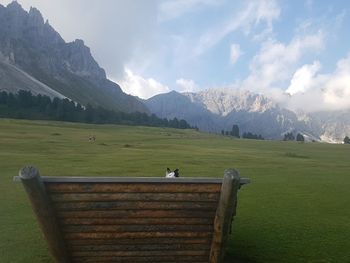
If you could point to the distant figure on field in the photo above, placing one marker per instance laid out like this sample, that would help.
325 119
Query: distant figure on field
170 174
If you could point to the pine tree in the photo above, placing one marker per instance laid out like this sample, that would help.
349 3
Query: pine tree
300 138
346 140
235 131
289 136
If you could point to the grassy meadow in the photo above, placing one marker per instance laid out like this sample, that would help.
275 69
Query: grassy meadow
297 208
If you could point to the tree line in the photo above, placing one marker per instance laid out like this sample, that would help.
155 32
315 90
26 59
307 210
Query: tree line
246 135
289 136
25 105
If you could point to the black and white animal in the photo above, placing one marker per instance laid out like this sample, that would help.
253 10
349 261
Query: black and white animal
170 174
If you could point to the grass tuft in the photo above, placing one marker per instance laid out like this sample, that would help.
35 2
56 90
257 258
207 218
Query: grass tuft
294 155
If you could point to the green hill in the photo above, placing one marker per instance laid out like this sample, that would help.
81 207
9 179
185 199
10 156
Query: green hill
295 210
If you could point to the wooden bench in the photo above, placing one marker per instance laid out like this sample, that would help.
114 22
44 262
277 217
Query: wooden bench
113 219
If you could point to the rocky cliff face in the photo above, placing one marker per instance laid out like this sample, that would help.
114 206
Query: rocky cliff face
176 105
224 101
32 45
333 126
78 60
214 110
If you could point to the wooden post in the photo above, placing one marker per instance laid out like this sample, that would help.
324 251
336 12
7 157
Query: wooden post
41 206
224 213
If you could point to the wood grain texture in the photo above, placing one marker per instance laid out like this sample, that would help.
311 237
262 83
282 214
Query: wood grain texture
133 180
111 219
134 205
45 215
144 259
141 253
136 228
141 247
224 214
137 214
132 188
137 221
134 241
171 197
103 235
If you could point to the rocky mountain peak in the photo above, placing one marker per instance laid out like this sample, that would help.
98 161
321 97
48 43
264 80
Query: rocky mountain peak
79 43
80 61
16 23
31 48
35 17
14 5
33 32
13 17
224 101
218 109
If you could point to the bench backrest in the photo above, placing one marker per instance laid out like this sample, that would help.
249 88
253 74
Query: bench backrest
111 219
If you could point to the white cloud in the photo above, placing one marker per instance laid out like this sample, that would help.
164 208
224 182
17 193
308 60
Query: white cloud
172 9
303 78
141 87
337 88
267 11
275 62
235 53
324 91
253 14
187 85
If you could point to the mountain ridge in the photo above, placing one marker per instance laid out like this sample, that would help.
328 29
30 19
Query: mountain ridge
219 109
32 45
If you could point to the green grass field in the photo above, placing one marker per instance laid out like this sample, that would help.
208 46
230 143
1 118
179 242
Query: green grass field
297 208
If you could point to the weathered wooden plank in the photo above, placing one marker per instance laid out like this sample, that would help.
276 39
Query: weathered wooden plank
224 214
141 259
143 241
145 259
136 228
142 219
136 235
141 253
193 197
123 205
137 214
132 188
141 247
118 179
43 210
136 221
82 179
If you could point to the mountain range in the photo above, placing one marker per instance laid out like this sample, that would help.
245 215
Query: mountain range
214 110
33 56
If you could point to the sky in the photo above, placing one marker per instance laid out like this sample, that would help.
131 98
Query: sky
274 47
